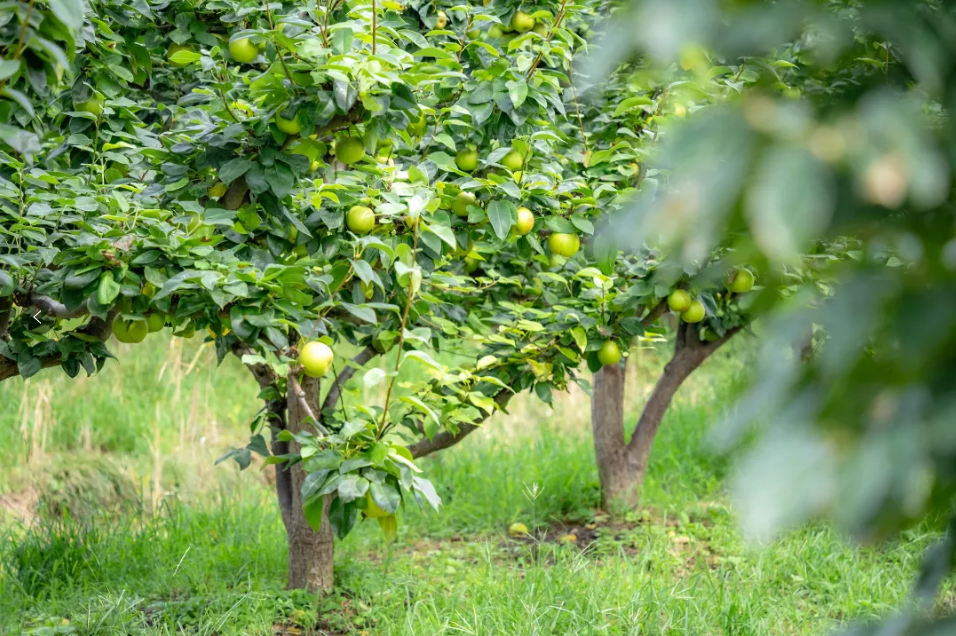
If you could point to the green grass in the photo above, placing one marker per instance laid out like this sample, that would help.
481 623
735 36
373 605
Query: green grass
203 550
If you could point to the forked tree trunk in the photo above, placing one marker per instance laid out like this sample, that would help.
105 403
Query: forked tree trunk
623 466
311 553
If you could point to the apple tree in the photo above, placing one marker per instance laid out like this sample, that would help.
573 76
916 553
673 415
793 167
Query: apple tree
294 181
857 172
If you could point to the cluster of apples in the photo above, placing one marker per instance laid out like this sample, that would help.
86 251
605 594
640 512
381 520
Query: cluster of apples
566 245
691 310
135 331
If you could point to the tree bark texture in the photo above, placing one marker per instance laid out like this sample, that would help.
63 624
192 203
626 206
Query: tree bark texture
311 553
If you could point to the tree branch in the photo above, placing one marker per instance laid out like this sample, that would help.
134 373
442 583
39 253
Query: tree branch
302 401
654 314
6 306
689 354
96 327
335 391
446 439
265 378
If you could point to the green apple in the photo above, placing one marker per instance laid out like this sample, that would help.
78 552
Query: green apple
474 34
316 358
360 219
243 50
155 321
609 353
495 32
540 29
522 22
525 222
513 161
471 264
93 105
467 159
441 21
349 150
461 202
679 301
741 281
566 245
696 312
130 331
288 126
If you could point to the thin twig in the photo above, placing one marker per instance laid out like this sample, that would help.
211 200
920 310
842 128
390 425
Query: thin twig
374 26
401 342
577 109
547 40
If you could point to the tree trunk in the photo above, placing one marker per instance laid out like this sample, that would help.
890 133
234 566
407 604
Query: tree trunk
311 553
617 471
622 467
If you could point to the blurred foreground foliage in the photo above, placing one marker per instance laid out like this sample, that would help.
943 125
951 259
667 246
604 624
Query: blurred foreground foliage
843 155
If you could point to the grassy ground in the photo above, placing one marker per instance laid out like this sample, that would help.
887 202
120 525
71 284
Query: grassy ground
155 540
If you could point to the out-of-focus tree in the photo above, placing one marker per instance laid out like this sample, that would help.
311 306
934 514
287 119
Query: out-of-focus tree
847 158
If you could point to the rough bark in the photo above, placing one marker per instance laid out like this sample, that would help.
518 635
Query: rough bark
615 464
6 307
311 553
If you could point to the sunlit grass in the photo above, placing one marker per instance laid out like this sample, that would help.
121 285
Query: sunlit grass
203 550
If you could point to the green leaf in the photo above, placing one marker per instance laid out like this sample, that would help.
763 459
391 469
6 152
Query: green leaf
353 486
6 284
518 91
502 215
426 489
108 289
421 406
373 377
312 509
402 97
183 57
234 169
342 40
424 358
8 68
28 366
385 496
69 12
